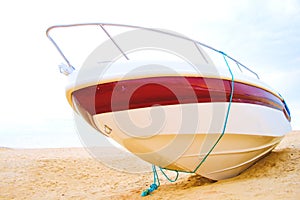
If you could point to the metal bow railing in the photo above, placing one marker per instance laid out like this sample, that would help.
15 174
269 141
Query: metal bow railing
103 25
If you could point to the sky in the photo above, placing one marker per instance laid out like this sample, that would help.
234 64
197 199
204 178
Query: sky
262 34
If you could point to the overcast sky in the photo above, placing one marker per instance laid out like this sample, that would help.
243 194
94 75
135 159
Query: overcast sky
264 35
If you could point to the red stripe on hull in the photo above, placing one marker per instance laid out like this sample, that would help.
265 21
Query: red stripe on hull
147 92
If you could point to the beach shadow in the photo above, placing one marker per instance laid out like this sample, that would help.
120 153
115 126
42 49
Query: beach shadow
188 182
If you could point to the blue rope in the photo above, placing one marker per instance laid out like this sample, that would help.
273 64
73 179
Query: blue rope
154 186
226 117
170 180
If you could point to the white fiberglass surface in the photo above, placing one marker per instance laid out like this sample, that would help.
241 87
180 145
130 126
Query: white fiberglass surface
249 119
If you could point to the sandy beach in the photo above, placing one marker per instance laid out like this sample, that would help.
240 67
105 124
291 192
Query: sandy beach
72 173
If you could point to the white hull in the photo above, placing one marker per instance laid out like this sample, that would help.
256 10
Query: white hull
247 138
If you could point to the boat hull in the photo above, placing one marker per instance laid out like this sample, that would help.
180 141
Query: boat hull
183 147
179 123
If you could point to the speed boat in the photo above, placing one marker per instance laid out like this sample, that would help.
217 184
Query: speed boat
189 113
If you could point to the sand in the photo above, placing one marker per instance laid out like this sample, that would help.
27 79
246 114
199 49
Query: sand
74 174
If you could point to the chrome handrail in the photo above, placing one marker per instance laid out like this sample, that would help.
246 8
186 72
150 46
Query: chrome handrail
137 27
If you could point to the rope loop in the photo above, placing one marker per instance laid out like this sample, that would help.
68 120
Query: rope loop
154 186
